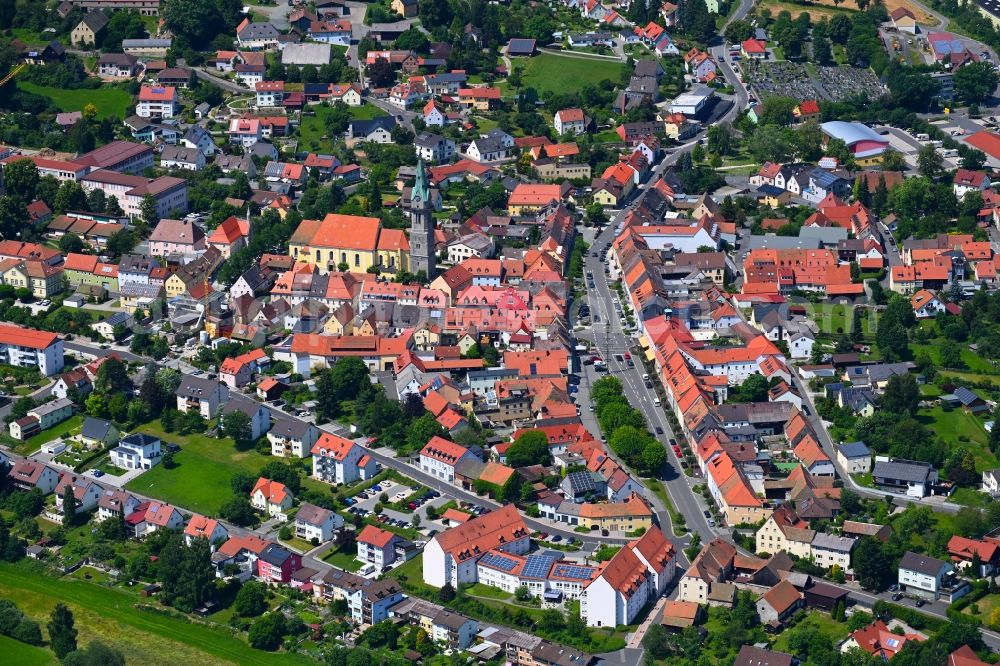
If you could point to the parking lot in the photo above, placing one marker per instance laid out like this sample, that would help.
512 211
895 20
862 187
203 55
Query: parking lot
396 491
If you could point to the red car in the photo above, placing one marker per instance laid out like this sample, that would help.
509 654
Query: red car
628 357
677 450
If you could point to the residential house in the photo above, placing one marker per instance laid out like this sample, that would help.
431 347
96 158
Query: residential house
137 451
202 395
313 522
200 527
855 457
440 458
151 516
779 603
912 478
292 438
271 497
930 578
338 460
377 546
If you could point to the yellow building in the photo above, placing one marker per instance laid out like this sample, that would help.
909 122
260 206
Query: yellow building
349 240
43 280
625 516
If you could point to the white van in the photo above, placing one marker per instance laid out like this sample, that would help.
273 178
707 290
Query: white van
656 401
366 570
645 377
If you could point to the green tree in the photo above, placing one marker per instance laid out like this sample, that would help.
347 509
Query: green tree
951 355
238 511
70 243
251 600
422 430
975 82
69 505
930 164
901 396
196 21
148 210
961 467
531 448
871 566
70 197
20 179
654 457
62 633
267 632
236 424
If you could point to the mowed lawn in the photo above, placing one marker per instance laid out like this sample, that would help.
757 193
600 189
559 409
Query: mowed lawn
313 131
110 615
201 480
110 102
22 654
949 426
829 628
557 73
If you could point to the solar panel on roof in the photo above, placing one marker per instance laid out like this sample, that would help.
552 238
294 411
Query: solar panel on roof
498 562
537 566
573 571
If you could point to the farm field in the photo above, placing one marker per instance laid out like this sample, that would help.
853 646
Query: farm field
111 616
22 654
110 102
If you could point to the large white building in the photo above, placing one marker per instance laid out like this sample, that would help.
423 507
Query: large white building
452 556
339 460
440 457
28 348
638 573
157 102
137 451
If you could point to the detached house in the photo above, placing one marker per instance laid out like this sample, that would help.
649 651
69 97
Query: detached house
779 603
313 522
151 516
377 546
271 497
570 121
157 102
200 527
441 457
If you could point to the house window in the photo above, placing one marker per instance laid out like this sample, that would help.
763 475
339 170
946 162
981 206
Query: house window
357 259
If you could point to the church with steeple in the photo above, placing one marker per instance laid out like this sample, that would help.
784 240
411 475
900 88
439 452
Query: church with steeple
421 210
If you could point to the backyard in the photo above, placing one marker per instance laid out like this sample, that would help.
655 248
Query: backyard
110 102
958 428
567 74
313 128
35 442
114 617
345 560
827 627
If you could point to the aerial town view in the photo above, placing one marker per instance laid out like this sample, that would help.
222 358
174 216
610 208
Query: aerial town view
500 332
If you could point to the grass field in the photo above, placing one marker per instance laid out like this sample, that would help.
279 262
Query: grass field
949 426
205 466
313 132
829 628
973 362
554 73
23 654
342 560
111 616
110 102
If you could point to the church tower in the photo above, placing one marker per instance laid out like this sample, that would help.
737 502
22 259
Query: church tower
421 226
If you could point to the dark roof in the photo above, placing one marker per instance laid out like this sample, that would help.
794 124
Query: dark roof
903 470
94 428
360 128
754 656
95 20
518 45
855 450
924 564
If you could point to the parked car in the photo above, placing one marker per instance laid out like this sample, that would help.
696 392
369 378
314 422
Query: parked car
659 430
